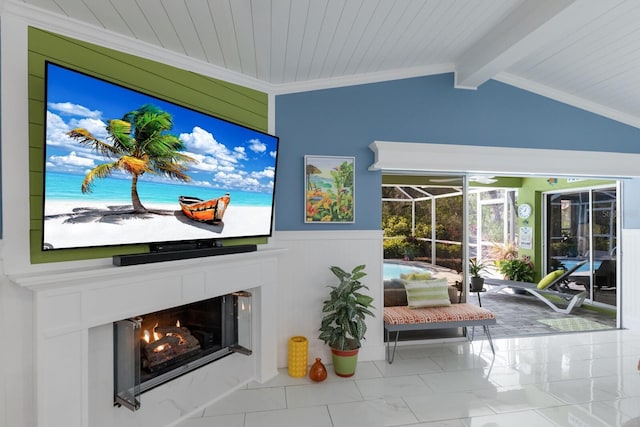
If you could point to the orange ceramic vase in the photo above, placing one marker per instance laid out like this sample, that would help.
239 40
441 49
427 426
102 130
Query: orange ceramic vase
318 372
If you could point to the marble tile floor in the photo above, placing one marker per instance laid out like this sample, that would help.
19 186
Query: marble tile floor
578 379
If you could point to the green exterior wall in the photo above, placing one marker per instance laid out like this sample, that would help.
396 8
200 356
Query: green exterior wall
231 102
531 193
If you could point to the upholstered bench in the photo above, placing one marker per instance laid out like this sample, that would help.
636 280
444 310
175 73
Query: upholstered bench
404 318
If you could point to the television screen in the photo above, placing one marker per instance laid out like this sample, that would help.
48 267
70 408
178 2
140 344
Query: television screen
123 167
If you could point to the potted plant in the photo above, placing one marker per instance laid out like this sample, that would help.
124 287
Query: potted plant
343 322
475 268
520 269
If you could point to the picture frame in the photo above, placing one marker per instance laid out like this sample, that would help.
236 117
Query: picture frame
329 188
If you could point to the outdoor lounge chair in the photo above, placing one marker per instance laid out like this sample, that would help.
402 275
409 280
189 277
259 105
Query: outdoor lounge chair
556 287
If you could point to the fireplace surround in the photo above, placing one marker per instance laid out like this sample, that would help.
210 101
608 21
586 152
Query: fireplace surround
154 348
74 311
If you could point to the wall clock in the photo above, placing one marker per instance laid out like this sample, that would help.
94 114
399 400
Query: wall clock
524 210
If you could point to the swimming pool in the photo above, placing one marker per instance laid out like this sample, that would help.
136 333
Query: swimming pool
569 264
393 270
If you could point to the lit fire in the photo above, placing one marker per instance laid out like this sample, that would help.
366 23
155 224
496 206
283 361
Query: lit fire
146 336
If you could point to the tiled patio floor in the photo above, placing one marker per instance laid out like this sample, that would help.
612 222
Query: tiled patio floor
517 316
520 315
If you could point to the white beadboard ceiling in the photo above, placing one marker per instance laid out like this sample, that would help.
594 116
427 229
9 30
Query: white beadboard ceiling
583 52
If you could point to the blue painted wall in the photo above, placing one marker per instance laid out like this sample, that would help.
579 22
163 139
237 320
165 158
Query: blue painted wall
344 121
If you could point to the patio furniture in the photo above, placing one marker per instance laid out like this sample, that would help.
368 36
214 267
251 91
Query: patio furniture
554 286
403 318
399 317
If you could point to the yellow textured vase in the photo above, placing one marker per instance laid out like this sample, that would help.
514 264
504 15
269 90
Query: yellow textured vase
298 350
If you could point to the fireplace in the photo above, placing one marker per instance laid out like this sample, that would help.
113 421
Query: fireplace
154 348
73 315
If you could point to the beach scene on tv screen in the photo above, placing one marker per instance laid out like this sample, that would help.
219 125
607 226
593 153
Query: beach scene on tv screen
123 167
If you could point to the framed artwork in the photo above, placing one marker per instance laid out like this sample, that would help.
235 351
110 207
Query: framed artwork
329 183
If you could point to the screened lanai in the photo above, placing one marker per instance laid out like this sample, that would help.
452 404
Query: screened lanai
424 220
423 223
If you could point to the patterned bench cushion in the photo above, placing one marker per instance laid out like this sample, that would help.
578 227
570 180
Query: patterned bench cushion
403 315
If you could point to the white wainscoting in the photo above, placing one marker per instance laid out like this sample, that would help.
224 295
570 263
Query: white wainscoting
630 279
73 313
303 279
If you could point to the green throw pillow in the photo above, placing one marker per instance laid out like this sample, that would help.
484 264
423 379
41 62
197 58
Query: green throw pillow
415 276
427 293
549 279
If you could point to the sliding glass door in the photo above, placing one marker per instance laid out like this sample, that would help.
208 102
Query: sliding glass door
582 226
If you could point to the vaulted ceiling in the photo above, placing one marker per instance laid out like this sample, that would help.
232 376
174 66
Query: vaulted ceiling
582 52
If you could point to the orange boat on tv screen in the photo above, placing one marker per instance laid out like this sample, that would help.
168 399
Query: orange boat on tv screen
210 211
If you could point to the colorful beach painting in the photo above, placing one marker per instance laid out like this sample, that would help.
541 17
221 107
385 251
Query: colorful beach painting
329 189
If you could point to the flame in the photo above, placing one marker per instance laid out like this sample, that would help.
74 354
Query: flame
156 335
147 336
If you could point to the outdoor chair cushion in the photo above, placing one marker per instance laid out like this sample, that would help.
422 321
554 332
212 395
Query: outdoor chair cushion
550 278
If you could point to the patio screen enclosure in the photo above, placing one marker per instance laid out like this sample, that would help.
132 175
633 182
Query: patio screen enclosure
426 222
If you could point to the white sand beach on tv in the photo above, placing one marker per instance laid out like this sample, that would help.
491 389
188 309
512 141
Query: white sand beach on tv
98 224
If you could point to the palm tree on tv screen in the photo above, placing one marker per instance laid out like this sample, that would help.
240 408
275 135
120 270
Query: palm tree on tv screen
137 143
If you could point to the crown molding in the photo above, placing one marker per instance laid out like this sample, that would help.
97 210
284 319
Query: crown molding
63 25
566 98
359 79
66 26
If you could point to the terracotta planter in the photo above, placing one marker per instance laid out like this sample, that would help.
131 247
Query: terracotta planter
344 362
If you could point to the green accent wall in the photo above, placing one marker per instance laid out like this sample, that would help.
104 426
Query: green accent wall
531 193
231 102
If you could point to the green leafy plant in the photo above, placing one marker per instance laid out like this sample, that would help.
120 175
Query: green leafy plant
476 267
343 326
520 269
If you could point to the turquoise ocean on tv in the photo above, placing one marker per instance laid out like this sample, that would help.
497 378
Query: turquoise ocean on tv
66 187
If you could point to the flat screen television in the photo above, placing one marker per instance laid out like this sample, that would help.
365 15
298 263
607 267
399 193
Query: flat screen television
123 167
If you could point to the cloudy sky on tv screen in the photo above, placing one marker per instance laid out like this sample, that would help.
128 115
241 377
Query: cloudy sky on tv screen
223 157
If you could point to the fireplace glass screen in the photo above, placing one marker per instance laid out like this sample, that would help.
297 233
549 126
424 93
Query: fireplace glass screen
154 348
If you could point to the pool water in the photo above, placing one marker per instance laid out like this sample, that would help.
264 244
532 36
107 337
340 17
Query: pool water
393 271
568 264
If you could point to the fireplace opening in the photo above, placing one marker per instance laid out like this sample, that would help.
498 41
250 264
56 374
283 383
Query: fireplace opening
157 347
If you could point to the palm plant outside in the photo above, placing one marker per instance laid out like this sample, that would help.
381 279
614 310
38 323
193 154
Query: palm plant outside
138 143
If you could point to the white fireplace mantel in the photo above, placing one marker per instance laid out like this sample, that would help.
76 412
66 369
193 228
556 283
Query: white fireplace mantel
70 306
